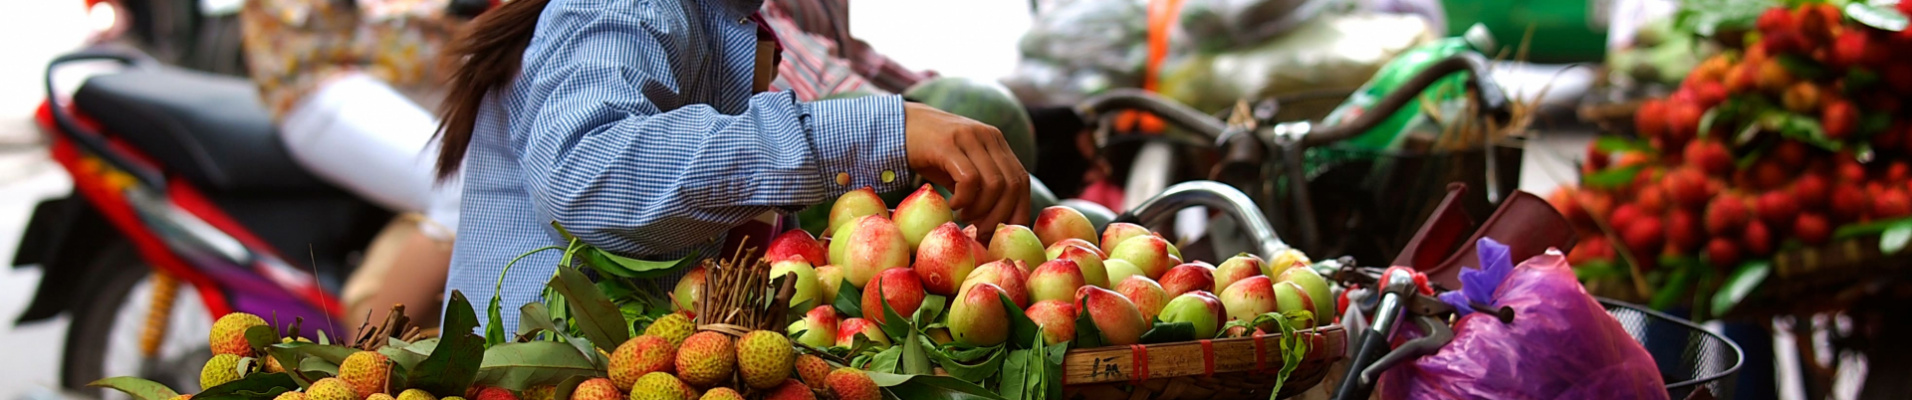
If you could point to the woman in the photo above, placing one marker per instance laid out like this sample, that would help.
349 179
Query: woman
345 79
642 128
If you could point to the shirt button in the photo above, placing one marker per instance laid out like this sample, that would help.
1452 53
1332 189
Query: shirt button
889 176
744 20
843 179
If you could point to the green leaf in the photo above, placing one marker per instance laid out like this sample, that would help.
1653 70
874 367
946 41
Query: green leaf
931 310
1617 144
1673 289
914 359
423 348
1709 17
931 387
261 336
457 354
495 325
886 360
1166 332
1740 284
330 353
1894 239
1802 67
596 317
1611 178
255 386
1087 336
1870 228
533 317
893 324
971 372
1799 127
405 360
315 365
963 353
1052 369
1021 328
139 389
323 339
1015 374
1598 269
517 366
1884 18
849 300
626 267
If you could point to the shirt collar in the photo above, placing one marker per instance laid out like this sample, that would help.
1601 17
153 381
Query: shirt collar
740 8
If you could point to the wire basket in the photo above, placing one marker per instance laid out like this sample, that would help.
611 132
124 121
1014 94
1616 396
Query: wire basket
1690 358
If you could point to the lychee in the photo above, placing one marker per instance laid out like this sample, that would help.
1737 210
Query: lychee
1770 174
1812 229
1590 249
813 370
1722 253
1848 203
851 384
1686 187
706 359
721 393
764 359
1849 170
1726 215
1757 239
220 369
1851 49
1773 76
382 396
673 327
1742 78
331 389
1650 118
416 394
1711 156
1891 203
1566 202
229 334
1683 233
1652 199
367 371
1776 19
639 356
1644 236
1776 208
540 392
1682 123
1802 97
282 396
593 389
790 389
1839 119
494 393
1596 157
1811 191
662 386
1708 94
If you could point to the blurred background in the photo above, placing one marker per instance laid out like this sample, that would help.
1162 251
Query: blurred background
1576 74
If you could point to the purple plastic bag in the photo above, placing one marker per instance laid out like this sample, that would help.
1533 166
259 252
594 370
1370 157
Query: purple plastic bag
1561 345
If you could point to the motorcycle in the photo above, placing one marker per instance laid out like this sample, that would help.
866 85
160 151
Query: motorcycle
185 206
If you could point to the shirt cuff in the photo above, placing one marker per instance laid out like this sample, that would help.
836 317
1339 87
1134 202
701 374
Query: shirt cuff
860 143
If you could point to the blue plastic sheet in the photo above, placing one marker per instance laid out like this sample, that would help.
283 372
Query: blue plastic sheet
1562 343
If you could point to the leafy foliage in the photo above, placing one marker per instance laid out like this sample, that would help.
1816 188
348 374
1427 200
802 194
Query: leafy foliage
139 389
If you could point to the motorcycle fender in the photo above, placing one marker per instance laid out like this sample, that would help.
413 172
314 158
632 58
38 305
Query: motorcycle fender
65 238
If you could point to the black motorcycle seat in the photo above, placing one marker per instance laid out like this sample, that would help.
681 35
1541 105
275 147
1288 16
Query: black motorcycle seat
210 129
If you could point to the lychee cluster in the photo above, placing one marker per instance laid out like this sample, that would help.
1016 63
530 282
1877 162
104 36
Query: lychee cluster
1757 147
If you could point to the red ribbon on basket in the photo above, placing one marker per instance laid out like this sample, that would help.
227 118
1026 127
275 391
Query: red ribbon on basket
1208 358
1261 353
1139 357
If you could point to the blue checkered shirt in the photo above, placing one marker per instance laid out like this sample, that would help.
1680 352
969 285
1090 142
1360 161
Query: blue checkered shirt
633 125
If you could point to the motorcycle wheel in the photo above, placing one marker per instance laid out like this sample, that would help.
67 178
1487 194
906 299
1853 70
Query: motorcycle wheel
104 338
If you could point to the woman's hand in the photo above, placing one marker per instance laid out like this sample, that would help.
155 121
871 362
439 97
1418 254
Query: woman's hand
972 159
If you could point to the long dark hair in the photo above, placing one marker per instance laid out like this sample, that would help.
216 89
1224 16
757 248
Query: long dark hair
485 56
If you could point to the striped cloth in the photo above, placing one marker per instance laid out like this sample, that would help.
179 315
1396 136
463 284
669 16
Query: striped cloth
632 125
822 59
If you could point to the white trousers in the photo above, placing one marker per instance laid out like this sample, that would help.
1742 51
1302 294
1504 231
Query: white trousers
358 133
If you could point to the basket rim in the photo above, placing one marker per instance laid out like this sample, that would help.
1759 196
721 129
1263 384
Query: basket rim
1739 354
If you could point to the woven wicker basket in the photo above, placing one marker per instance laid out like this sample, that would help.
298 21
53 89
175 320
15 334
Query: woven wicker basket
1235 368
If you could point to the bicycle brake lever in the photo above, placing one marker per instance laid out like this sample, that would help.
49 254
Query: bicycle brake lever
1438 335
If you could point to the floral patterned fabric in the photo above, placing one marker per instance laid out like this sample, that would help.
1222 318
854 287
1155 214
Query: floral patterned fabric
294 46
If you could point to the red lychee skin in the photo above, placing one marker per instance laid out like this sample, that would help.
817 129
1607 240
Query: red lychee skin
1726 215
1682 124
1708 95
1651 200
1595 157
1851 49
1784 43
1650 119
1776 19
1743 78
1566 202
1811 191
1686 187
1769 174
1644 237
1839 118
1711 156
1849 170
1892 203
1625 216
1776 208
1812 229
1848 203
1598 205
1722 253
1757 239
1899 76
1816 21
1897 171
1590 249
1791 153
1774 77
1683 233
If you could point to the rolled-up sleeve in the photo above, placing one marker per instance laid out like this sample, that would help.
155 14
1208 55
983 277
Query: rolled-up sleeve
624 173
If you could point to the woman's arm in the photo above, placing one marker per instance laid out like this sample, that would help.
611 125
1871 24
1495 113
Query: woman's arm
622 173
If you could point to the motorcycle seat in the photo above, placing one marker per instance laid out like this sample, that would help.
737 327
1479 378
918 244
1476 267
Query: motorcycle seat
210 129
